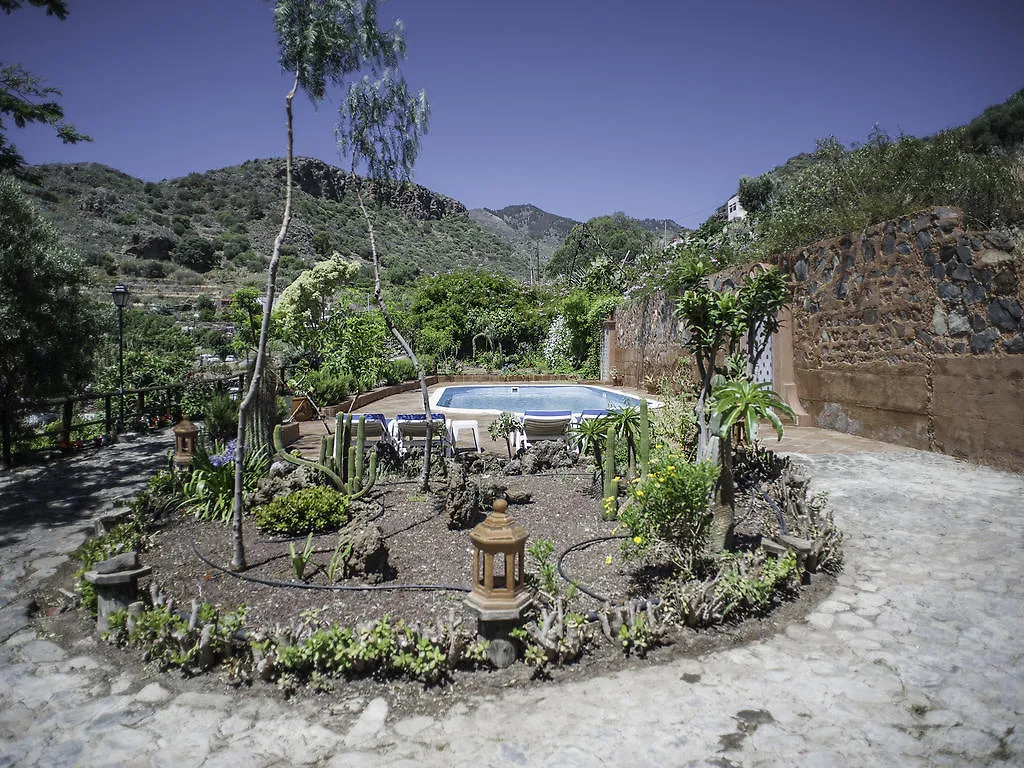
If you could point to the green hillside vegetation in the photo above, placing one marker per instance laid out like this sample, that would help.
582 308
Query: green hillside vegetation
214 230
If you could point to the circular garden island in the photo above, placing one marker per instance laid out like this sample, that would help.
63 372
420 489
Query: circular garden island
343 589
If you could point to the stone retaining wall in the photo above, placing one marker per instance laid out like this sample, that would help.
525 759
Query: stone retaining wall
910 331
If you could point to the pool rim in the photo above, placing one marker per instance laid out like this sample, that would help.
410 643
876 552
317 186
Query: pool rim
436 395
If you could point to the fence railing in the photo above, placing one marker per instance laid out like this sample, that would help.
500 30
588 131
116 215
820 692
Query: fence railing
145 408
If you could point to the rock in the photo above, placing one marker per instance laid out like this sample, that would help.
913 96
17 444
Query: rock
978 323
518 496
982 342
1015 346
1004 283
282 469
958 325
154 243
800 269
462 500
949 293
1000 240
489 490
929 258
545 455
992 257
974 293
963 251
939 324
127 561
889 244
362 550
1005 314
939 271
904 248
924 240
275 485
962 272
946 253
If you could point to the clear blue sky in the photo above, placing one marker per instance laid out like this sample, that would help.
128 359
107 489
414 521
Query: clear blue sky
582 107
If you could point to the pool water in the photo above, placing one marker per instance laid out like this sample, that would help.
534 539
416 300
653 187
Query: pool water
531 397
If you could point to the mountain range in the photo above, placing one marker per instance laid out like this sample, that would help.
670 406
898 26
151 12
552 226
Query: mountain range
212 232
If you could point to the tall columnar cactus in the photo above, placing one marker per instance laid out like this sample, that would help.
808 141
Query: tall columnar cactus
340 461
610 502
644 449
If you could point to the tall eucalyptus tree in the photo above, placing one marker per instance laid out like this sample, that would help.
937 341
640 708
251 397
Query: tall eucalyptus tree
322 43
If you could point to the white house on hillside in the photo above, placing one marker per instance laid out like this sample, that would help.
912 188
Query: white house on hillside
735 210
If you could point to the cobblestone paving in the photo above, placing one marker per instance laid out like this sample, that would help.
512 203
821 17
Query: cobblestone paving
914 659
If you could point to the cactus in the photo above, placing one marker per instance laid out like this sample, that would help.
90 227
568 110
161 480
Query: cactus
340 461
610 504
644 449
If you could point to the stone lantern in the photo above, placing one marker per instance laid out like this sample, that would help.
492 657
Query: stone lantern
499 594
185 434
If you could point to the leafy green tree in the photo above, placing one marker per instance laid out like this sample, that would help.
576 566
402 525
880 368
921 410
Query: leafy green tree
322 244
245 312
305 303
615 239
24 98
322 42
448 310
48 328
743 403
195 252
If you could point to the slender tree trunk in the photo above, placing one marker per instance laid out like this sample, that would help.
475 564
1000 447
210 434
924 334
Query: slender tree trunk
238 559
390 323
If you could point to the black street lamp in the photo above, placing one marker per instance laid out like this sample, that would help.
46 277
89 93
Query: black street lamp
120 294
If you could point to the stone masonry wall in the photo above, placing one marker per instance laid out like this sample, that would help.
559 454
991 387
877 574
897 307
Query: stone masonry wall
910 332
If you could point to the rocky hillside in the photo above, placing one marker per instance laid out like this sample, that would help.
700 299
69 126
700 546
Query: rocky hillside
534 234
210 232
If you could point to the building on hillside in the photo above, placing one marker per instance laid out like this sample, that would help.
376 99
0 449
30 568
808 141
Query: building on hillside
735 210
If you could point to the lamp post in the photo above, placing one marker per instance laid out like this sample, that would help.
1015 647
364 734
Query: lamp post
120 294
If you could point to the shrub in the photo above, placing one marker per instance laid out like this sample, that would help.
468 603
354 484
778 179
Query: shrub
329 388
399 370
668 512
220 413
210 487
310 510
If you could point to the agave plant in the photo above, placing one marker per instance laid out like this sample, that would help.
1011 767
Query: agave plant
742 403
588 437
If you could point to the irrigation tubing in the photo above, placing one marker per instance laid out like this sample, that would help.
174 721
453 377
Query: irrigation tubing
577 547
332 587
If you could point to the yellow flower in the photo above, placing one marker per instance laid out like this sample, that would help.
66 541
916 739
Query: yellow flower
639 492
616 478
672 467
608 560
638 539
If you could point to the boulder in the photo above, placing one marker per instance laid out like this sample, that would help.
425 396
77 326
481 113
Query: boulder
362 551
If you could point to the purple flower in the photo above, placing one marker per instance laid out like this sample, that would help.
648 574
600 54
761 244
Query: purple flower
226 457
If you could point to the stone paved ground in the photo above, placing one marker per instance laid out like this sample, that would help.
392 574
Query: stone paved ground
915 658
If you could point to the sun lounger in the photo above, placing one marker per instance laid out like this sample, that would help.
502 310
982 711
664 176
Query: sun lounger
543 425
375 426
410 428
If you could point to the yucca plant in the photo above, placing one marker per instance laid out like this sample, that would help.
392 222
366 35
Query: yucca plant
742 404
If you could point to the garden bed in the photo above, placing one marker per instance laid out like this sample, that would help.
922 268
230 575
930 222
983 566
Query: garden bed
422 550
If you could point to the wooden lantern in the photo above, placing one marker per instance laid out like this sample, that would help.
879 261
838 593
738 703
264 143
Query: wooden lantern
185 434
499 545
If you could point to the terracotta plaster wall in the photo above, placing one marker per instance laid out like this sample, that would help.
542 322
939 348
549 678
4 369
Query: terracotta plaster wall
911 332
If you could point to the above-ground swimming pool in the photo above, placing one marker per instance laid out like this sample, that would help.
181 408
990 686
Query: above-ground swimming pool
518 398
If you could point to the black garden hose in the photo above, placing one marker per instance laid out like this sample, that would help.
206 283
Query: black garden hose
577 547
334 587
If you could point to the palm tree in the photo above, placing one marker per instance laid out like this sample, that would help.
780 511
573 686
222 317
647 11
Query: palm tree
742 403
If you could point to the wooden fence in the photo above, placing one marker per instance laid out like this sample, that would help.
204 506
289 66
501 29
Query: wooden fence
144 408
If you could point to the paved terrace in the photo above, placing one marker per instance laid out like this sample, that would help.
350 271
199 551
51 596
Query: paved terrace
915 659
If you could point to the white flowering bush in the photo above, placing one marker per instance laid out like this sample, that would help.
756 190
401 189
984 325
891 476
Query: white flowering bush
557 347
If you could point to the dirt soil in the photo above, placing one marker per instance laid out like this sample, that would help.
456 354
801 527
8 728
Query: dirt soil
422 550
